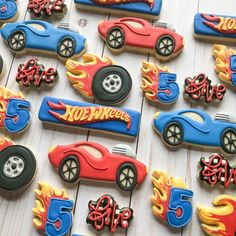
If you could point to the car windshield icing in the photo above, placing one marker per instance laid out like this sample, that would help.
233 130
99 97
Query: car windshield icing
92 151
193 116
133 24
36 26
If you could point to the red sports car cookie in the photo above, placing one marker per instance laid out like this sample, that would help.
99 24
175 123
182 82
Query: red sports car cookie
139 35
89 160
99 78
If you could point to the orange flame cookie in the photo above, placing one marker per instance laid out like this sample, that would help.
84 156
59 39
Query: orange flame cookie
220 220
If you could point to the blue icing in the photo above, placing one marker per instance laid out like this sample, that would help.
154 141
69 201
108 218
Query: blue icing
233 69
201 29
133 7
8 9
46 39
115 126
207 132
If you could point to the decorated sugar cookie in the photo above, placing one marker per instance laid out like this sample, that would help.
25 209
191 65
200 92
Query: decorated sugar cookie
158 84
219 220
8 10
14 111
199 87
171 199
106 212
99 78
35 74
196 127
48 8
118 166
215 27
52 211
90 116
143 8
216 169
44 37
17 164
225 64
139 35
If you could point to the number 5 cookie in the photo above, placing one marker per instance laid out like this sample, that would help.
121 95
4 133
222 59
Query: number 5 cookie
171 199
139 35
99 78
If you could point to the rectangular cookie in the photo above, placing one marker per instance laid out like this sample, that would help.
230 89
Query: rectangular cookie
149 9
215 27
90 116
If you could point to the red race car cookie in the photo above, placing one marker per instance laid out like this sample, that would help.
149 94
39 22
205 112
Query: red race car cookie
99 78
17 166
139 35
220 220
106 212
89 160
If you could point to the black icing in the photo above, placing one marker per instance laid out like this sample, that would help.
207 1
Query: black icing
68 51
17 41
115 38
165 45
228 143
173 134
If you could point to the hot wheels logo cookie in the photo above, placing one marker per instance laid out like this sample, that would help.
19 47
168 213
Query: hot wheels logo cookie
86 115
221 24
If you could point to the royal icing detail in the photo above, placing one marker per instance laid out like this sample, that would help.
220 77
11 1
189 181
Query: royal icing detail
147 8
63 42
34 73
200 87
18 166
106 212
123 33
158 84
225 64
219 220
99 78
196 127
171 199
52 211
90 116
8 10
216 169
112 167
215 26
14 111
47 7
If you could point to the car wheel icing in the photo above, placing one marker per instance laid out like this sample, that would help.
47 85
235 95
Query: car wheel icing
228 141
115 38
173 134
17 41
165 45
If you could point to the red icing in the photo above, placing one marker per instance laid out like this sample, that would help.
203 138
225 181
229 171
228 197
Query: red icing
87 115
48 6
216 168
143 36
34 73
200 86
106 212
4 143
104 168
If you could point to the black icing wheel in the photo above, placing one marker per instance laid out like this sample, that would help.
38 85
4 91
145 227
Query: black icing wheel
111 84
69 169
17 168
115 38
173 134
126 177
228 141
165 45
66 47
17 41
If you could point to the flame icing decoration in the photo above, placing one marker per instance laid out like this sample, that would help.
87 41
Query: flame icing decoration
220 220
115 2
150 73
222 64
162 184
5 142
81 74
43 198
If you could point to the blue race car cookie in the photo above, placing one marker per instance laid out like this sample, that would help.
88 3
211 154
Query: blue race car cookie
42 36
196 127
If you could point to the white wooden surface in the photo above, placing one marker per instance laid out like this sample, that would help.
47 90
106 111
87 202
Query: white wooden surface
15 209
